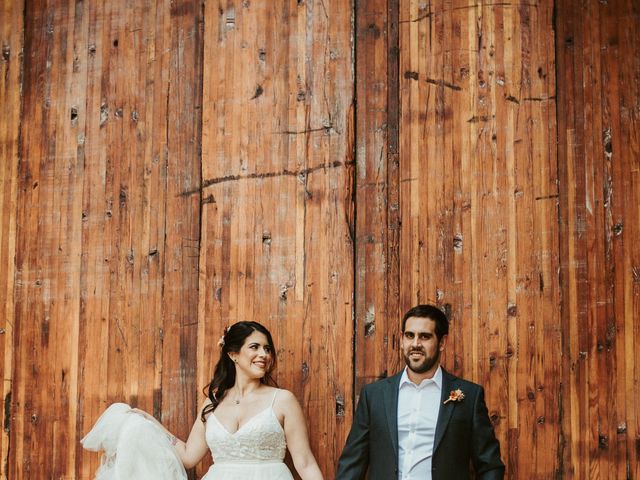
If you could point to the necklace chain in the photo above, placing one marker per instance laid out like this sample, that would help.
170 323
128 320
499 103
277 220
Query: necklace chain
237 398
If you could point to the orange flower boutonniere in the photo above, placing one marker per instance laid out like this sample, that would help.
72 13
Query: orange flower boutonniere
455 396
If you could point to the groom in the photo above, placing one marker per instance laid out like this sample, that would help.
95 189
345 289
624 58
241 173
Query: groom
422 423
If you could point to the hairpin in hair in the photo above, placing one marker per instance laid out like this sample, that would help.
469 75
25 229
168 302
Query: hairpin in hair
224 333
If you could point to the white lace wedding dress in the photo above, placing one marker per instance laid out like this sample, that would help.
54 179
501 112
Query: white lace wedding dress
137 448
254 452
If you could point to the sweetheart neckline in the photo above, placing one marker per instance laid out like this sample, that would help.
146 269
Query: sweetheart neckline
247 422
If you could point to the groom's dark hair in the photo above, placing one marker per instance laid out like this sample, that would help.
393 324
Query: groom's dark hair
431 312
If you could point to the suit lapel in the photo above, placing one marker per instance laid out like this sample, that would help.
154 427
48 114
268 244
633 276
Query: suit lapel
444 415
391 409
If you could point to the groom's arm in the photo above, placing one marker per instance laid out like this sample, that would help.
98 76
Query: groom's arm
354 460
485 448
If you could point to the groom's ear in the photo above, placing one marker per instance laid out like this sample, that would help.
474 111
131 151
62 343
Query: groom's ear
443 342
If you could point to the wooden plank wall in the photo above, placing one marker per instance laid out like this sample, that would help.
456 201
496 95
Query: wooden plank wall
171 167
598 55
378 229
106 269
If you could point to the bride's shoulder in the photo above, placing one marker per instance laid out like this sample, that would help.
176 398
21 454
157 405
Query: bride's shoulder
204 405
284 396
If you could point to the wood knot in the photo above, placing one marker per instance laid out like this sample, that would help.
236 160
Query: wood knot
457 242
104 114
373 30
617 229
603 442
492 359
259 91
340 405
495 418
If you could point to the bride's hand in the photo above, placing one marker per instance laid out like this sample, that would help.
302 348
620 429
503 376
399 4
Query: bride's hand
172 438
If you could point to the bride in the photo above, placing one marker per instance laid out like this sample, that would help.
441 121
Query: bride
246 422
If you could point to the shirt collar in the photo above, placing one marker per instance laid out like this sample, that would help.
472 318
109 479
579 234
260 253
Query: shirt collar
436 379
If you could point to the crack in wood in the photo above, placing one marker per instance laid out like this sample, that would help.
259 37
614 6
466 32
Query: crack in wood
327 129
539 99
431 14
251 176
442 83
480 118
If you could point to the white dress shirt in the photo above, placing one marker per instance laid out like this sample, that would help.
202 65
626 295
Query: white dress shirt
418 407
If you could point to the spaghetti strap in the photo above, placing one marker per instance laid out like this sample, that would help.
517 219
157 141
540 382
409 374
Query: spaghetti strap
273 400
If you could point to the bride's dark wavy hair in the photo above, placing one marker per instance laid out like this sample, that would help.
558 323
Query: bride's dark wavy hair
224 376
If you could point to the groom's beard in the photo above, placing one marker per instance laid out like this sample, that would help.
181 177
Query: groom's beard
426 364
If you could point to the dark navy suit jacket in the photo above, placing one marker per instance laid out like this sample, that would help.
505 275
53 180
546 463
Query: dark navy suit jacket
464 435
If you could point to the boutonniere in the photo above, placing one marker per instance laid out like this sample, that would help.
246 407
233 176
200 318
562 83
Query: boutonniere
455 396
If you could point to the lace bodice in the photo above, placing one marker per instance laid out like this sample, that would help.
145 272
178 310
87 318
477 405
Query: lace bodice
260 439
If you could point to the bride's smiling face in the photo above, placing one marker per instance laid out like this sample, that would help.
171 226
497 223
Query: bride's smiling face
255 356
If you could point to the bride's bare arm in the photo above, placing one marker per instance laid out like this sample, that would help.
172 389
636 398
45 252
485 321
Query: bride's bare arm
295 431
191 451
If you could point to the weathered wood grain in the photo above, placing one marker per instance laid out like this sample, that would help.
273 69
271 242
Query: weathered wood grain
47 287
373 283
277 241
11 37
108 261
598 88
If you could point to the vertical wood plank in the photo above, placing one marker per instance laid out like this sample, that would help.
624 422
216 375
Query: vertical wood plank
373 322
97 232
11 38
277 241
49 220
183 28
598 163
